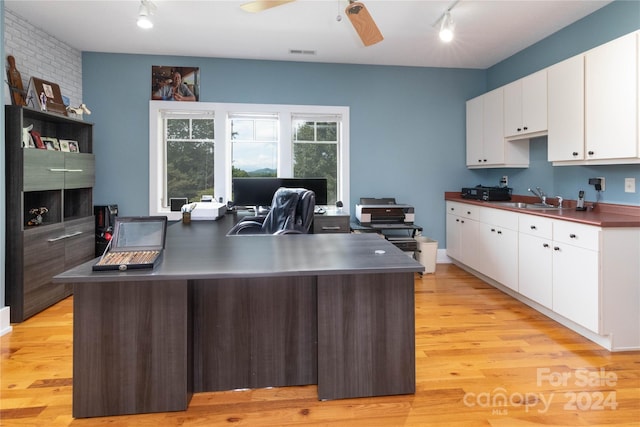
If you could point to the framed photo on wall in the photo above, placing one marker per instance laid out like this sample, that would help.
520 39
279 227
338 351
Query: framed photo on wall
45 96
170 83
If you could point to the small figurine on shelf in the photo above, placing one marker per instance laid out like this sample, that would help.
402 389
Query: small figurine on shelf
79 110
37 213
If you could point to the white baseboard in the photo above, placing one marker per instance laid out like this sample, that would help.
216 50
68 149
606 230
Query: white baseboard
5 323
442 258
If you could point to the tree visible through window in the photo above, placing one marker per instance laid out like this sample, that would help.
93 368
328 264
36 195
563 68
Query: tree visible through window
315 152
189 157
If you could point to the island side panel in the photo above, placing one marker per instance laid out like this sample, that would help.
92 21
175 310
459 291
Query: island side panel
254 332
132 348
366 339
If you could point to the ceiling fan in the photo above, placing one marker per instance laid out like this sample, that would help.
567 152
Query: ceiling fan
357 12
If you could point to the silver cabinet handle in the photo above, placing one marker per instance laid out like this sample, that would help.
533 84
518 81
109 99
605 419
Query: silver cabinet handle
65 236
64 170
335 227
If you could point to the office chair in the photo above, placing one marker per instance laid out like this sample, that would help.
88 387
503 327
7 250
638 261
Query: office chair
291 213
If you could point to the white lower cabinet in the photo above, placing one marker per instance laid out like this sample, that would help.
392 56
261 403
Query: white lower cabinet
576 285
498 246
462 233
585 277
535 254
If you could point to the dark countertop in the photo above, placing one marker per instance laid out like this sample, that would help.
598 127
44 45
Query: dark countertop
603 215
201 250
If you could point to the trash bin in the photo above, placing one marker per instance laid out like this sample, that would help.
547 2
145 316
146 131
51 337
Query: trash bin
427 253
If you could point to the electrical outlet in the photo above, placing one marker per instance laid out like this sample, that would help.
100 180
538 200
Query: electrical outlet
504 181
629 185
598 183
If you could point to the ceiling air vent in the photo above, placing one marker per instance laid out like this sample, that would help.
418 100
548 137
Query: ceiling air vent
301 52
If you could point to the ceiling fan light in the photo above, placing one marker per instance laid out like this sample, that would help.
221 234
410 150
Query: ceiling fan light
446 28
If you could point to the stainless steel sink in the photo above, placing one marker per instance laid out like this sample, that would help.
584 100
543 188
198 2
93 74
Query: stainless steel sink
521 205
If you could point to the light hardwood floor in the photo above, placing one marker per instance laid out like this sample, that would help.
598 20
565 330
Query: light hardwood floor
482 359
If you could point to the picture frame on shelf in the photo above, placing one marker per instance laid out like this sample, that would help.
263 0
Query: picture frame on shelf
64 145
73 146
51 143
45 96
37 140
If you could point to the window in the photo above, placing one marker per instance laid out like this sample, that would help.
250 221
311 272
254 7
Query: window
196 148
189 156
254 139
315 150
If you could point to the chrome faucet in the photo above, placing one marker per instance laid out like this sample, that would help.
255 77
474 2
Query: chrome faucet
540 194
560 200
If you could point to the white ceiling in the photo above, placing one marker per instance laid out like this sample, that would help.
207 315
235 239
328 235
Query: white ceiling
487 31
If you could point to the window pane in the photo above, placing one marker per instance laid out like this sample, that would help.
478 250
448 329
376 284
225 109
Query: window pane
242 130
255 159
304 131
189 148
327 131
266 130
202 129
317 161
189 169
177 128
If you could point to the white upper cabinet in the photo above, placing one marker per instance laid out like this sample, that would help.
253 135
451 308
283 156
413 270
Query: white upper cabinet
565 82
486 146
611 100
525 107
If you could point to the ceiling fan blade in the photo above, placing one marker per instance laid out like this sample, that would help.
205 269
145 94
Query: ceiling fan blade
260 5
363 23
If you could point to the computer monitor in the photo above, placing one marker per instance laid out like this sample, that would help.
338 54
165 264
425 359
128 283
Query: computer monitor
259 191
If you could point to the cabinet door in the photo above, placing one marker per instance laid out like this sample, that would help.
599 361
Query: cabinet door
535 269
611 99
493 136
43 259
453 236
80 243
469 242
566 110
576 281
475 155
534 102
513 109
499 253
525 105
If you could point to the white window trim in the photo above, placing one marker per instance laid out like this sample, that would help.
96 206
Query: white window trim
222 151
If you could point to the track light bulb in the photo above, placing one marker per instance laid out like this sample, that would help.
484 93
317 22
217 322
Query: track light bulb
446 28
144 13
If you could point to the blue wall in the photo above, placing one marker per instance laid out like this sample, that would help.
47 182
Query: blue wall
407 124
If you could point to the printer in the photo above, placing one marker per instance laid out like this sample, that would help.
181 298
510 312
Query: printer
371 211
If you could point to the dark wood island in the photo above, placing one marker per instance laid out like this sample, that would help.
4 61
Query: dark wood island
222 313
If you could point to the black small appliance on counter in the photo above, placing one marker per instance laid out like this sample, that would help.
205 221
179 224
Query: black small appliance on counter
480 192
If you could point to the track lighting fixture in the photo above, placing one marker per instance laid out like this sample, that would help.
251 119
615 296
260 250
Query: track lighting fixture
446 27
144 14
445 22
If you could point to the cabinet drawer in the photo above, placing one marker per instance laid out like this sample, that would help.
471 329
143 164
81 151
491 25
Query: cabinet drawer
535 226
43 169
464 210
499 217
331 224
80 170
584 236
80 243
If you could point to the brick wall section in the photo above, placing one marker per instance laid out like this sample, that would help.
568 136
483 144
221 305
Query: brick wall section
39 54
